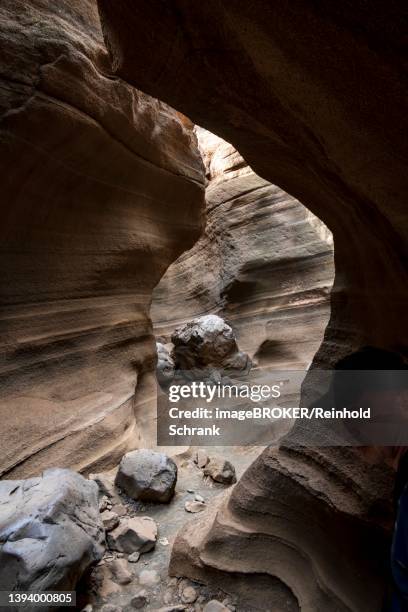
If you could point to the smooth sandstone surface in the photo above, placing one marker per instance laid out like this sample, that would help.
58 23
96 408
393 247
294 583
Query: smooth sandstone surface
264 263
313 95
102 189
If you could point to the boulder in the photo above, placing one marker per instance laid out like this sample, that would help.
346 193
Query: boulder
204 341
137 534
220 470
50 531
148 476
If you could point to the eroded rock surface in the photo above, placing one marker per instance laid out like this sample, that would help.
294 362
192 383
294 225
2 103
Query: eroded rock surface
313 95
296 532
264 263
50 531
102 189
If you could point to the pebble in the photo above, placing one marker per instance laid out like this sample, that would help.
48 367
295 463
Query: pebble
199 498
140 600
149 577
110 608
194 506
215 606
134 557
110 520
119 509
189 595
120 573
201 458
88 608
163 541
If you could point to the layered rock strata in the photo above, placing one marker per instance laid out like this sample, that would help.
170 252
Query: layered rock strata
102 190
264 262
313 96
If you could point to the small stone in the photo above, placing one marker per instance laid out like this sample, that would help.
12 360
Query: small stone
201 458
147 476
140 600
176 608
120 573
190 490
220 470
110 520
149 577
119 555
103 503
168 596
110 608
163 541
215 606
88 608
119 509
194 506
133 534
134 557
189 595
199 498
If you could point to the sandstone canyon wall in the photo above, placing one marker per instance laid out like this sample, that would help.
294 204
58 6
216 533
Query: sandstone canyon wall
264 263
102 188
313 95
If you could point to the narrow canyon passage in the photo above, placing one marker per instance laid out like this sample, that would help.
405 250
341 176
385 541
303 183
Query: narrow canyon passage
195 186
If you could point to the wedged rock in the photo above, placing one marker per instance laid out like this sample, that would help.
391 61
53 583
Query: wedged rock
220 470
207 342
147 476
137 534
272 285
50 531
165 364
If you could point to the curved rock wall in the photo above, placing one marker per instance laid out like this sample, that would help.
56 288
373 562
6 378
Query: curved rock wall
313 95
102 188
264 263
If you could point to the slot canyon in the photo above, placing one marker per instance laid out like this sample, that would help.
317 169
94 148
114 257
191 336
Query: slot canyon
217 184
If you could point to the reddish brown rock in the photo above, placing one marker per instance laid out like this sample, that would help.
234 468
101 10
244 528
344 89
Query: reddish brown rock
102 189
264 263
313 95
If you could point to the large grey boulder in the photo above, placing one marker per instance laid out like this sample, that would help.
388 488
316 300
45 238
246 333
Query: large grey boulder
50 531
147 475
207 342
